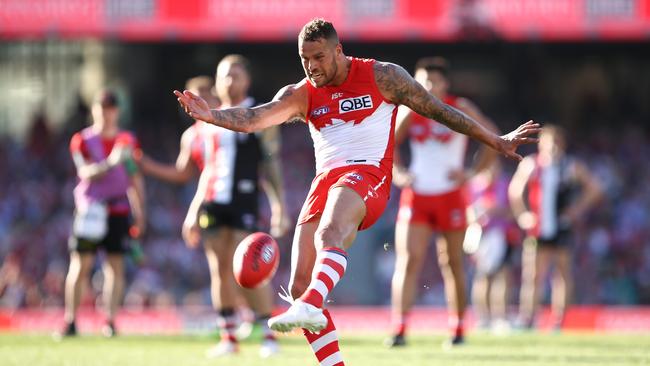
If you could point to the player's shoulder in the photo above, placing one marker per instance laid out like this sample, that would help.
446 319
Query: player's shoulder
76 136
292 90
76 141
389 75
363 60
190 133
390 68
127 137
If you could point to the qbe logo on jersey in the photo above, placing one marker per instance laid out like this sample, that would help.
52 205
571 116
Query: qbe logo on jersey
355 104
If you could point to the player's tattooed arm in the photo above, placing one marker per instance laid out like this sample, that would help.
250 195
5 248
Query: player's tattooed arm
397 86
288 104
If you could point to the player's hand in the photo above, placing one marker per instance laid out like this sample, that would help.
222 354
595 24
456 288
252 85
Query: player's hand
460 176
402 178
522 135
280 225
139 227
195 106
118 155
192 235
191 232
527 220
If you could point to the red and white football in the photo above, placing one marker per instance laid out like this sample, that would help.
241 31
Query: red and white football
256 260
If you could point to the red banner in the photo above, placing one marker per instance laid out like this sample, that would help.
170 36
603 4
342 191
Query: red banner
423 319
366 20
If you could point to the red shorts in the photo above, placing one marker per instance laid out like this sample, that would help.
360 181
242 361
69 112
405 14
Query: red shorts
371 183
442 212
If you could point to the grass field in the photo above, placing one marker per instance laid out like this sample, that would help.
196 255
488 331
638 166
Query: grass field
520 349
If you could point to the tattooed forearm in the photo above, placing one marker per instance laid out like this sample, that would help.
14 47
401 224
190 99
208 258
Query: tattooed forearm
253 119
240 119
399 87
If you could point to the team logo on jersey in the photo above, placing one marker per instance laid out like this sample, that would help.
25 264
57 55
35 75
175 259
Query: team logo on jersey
356 176
320 111
336 95
354 104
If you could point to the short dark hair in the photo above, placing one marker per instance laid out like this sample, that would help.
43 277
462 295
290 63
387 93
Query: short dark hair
437 63
557 131
318 28
235 59
106 98
199 82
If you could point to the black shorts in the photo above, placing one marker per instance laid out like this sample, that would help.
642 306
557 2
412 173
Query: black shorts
213 216
560 240
114 242
508 258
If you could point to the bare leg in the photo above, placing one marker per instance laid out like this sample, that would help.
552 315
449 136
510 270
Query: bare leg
480 297
79 271
411 246
332 234
562 285
343 214
303 257
450 259
113 269
535 265
219 251
499 294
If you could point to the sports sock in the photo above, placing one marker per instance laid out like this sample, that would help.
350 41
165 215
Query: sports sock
326 344
227 323
263 322
456 326
400 323
328 270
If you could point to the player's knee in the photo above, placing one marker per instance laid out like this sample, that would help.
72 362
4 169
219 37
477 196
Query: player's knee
443 260
328 235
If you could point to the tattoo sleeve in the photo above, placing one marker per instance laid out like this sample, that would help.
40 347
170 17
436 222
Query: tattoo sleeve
257 118
397 85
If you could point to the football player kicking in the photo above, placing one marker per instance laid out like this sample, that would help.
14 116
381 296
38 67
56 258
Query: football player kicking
349 105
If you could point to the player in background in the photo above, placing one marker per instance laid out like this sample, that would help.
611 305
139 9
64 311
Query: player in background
189 162
350 106
224 209
491 237
433 200
552 179
110 189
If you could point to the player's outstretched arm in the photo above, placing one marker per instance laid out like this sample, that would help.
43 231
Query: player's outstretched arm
291 103
181 172
399 87
525 218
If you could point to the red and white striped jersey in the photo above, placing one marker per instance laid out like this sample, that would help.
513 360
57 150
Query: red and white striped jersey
550 187
436 151
352 123
230 159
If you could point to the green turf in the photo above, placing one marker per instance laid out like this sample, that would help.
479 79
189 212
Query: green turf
519 349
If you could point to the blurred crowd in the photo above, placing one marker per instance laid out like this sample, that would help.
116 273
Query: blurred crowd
611 246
